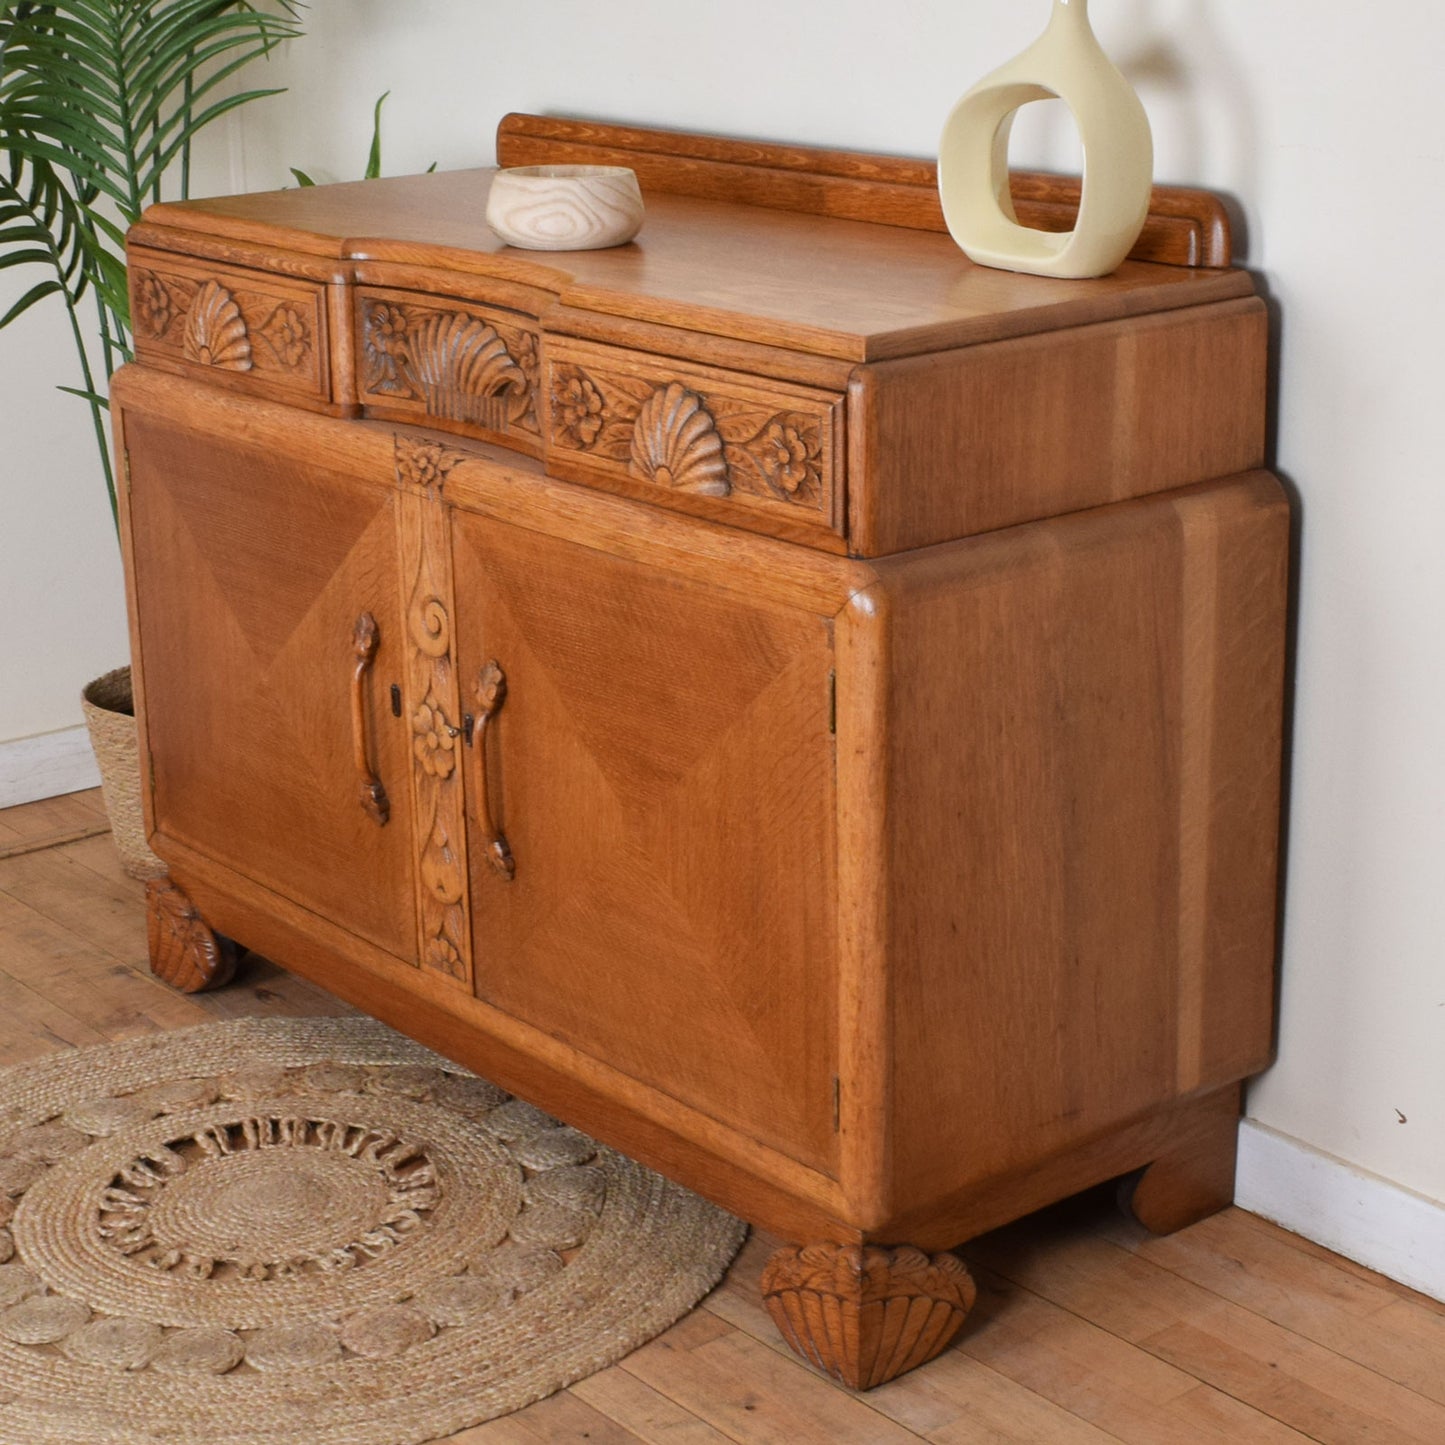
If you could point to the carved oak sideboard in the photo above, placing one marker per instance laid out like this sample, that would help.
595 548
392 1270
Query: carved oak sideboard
796 705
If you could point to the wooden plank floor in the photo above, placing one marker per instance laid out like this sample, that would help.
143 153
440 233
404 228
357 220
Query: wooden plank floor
1086 1329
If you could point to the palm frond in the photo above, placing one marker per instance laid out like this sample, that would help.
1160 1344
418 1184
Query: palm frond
122 85
100 101
40 224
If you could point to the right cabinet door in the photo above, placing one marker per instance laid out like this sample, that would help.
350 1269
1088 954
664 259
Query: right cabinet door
658 756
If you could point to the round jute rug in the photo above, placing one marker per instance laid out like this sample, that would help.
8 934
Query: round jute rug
313 1230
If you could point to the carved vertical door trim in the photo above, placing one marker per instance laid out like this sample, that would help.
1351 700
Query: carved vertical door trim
433 709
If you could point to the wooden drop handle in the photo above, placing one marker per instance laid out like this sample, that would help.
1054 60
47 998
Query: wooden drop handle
491 694
372 795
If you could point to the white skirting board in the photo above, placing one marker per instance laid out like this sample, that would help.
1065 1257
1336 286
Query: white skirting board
45 766
1366 1218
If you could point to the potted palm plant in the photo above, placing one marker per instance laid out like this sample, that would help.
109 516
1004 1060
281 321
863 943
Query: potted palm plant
100 101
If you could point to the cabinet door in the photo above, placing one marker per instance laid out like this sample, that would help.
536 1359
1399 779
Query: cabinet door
251 573
661 765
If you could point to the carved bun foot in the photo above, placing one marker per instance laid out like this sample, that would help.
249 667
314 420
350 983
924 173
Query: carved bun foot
863 1314
184 952
1196 1177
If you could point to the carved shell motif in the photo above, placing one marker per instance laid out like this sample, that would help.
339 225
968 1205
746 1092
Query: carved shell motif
216 331
675 443
463 369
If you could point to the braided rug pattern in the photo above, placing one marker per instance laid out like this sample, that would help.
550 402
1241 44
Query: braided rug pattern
313 1230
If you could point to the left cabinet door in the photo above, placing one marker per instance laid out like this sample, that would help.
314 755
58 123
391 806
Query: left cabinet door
268 602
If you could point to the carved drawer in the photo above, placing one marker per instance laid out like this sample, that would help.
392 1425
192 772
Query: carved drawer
757 453
258 332
447 363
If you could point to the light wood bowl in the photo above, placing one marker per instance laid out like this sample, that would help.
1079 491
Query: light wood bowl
565 208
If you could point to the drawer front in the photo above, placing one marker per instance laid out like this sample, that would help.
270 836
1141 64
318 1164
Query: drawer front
260 333
757 453
450 364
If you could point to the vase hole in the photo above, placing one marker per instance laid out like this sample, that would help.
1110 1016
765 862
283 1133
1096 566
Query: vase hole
1045 137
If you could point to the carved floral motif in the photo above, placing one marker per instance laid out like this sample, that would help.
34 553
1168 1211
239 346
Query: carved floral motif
155 308
434 740
423 465
441 954
443 883
675 443
386 336
789 458
577 410
216 333
285 331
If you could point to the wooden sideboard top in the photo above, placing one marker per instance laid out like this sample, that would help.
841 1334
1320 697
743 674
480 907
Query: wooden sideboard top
781 266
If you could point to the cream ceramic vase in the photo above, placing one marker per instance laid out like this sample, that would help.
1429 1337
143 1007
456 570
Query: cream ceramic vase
1068 63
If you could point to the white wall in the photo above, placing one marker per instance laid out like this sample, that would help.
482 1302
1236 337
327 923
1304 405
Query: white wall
1322 124
62 605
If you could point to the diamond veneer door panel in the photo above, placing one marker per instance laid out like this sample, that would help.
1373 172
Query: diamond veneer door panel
662 768
251 570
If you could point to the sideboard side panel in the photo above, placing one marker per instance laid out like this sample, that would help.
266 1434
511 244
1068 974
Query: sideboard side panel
1084 774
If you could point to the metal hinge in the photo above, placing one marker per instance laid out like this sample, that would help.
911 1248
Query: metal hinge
837 1104
125 468
832 701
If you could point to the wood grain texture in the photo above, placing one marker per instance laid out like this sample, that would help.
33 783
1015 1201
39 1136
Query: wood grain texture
985 1201
817 286
1046 865
183 951
174 241
866 1315
1073 420
48 822
662 771
1184 227
255 568
1195 1177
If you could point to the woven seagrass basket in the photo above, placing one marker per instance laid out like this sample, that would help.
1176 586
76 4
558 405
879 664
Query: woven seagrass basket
110 718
